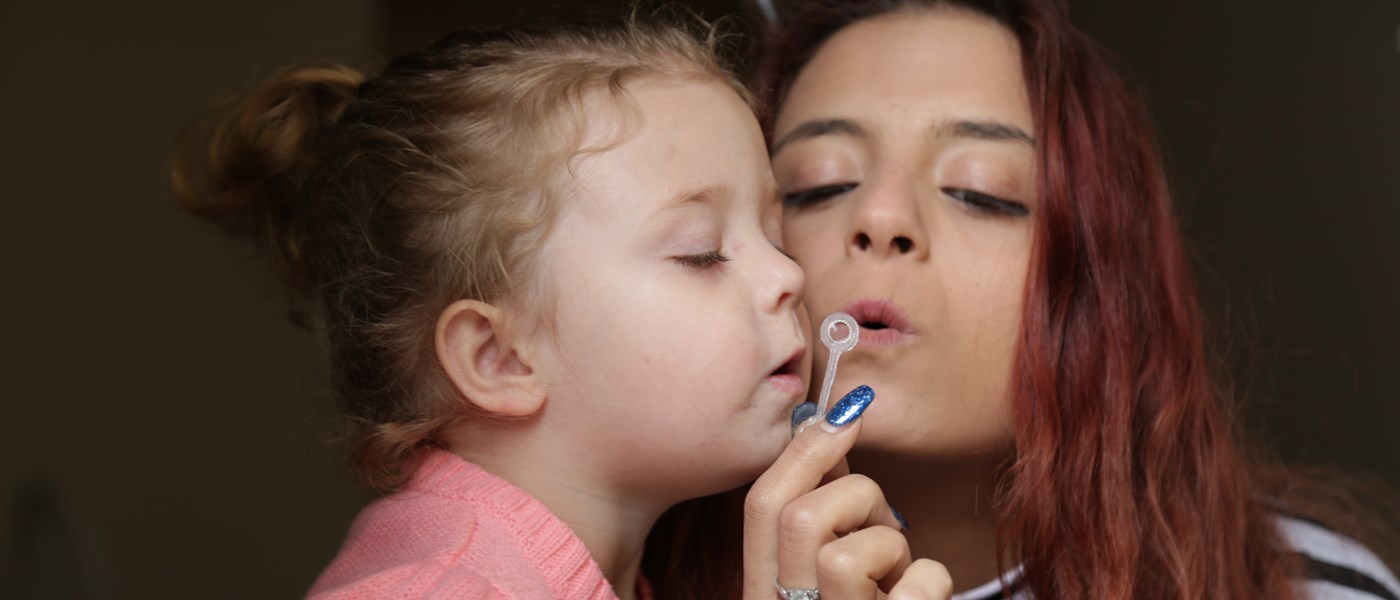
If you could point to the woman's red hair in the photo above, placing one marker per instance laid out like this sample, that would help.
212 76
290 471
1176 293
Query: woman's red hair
1128 479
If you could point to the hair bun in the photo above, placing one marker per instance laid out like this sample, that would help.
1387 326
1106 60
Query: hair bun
243 168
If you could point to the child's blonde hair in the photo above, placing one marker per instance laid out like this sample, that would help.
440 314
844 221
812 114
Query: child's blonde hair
383 199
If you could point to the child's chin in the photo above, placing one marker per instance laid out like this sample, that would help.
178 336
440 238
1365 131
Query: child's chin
742 470
731 461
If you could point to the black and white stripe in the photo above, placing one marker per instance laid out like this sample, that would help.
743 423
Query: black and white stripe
993 590
1335 567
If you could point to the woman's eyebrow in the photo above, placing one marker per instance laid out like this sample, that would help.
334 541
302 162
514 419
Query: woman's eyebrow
984 130
818 128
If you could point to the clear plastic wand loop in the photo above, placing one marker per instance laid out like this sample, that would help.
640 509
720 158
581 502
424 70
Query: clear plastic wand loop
835 348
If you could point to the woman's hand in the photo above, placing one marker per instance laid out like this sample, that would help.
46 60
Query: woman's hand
810 524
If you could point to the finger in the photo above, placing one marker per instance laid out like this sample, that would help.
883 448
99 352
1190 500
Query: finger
924 579
813 452
841 469
854 566
802 417
798 470
812 521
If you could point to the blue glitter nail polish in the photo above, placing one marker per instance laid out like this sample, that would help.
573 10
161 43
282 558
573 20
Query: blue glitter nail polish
850 407
904 524
803 412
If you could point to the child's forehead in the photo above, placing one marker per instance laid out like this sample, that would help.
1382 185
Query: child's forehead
657 106
680 137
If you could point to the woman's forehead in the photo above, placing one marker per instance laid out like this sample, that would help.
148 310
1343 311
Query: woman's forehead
924 66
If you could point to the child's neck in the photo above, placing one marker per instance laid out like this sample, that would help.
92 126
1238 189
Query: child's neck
612 523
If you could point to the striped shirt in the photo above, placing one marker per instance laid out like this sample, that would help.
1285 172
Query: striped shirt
1335 567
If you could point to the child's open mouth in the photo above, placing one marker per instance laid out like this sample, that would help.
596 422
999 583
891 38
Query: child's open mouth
791 367
787 377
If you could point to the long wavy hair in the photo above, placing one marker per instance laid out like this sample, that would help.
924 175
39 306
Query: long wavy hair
1128 478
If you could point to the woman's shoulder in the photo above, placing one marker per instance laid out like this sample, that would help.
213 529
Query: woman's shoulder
1335 566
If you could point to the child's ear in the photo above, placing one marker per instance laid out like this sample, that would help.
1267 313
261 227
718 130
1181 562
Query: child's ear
490 366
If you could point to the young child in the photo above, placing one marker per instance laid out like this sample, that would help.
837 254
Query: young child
546 263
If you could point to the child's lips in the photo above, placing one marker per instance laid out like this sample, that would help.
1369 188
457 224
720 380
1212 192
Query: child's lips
788 383
787 377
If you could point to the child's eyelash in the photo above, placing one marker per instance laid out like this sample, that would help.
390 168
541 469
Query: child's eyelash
702 260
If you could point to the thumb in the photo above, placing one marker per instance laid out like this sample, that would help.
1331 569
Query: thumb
817 452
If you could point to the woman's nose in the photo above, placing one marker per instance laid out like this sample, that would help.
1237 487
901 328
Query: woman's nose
888 223
883 241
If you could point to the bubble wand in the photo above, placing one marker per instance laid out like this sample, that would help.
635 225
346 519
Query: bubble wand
835 348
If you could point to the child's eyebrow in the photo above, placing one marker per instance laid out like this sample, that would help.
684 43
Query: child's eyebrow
704 195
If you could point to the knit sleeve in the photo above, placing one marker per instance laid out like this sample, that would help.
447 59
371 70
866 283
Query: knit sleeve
424 582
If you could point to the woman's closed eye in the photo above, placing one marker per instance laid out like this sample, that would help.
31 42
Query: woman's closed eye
704 260
816 195
987 204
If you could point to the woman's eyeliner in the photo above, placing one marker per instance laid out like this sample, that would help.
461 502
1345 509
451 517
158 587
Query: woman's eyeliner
817 194
987 204
977 201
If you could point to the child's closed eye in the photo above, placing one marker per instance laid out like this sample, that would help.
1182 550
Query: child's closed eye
703 260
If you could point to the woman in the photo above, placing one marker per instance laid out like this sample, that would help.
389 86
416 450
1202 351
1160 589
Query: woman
974 183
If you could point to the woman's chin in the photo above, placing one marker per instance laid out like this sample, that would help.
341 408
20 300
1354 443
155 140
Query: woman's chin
932 437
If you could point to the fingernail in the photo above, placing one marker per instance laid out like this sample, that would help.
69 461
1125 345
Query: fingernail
803 412
903 523
850 407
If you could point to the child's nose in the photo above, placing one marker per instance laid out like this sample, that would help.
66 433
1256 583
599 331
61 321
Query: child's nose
788 281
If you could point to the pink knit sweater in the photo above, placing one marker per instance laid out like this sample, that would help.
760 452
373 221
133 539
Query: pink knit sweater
457 531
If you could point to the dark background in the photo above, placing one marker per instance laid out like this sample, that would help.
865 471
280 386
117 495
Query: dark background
163 428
